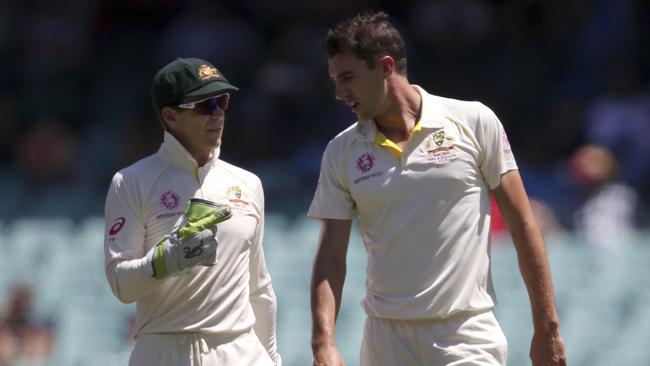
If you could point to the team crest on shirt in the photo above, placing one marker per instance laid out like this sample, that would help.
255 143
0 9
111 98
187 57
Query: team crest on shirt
439 137
234 191
238 204
440 150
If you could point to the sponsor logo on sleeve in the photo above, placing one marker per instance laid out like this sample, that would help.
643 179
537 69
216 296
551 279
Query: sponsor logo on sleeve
506 143
117 226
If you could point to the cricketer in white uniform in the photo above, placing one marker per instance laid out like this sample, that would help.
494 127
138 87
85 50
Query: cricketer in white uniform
422 198
221 308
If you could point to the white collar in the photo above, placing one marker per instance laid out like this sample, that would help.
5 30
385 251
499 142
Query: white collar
174 152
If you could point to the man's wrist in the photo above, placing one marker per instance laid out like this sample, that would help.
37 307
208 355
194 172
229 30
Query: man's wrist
547 326
321 342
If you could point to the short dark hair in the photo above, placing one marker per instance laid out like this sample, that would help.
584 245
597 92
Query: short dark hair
368 37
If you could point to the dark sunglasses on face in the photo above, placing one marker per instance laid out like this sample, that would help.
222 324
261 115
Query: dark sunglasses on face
209 106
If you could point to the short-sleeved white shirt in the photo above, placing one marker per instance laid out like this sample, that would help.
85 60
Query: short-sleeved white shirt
425 216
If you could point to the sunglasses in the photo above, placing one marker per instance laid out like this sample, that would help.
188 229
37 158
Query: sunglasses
209 105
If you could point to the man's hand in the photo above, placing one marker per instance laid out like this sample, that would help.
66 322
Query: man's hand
193 242
547 349
328 356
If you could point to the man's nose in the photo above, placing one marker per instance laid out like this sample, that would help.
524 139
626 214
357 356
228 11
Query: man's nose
340 92
218 114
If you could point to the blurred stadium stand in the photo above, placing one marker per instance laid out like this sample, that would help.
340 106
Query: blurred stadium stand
75 108
603 303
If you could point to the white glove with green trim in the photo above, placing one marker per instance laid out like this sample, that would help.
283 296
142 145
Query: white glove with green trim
193 242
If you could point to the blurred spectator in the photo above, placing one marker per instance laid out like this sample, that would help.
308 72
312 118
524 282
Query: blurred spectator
544 215
208 30
607 216
23 340
619 120
452 24
538 64
46 154
8 346
54 56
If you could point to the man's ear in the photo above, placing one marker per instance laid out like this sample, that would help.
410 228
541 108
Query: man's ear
169 116
387 64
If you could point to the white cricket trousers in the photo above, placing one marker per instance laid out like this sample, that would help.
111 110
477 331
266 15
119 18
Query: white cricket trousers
199 349
467 339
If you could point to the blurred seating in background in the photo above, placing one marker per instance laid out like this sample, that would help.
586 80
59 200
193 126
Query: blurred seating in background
602 303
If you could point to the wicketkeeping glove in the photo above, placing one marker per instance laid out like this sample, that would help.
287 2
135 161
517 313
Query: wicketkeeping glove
193 242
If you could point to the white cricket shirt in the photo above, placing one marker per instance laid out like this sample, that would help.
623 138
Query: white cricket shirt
425 213
143 204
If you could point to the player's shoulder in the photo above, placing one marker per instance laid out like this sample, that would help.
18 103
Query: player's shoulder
347 134
464 109
343 139
239 173
471 113
145 169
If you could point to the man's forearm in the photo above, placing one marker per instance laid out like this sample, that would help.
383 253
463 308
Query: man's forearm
326 293
534 267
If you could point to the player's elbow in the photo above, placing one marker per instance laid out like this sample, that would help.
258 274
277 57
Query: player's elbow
125 283
120 294
263 295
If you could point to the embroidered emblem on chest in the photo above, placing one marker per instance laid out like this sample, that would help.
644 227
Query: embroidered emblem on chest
239 205
439 149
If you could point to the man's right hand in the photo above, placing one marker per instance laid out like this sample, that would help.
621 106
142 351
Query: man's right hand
193 242
328 356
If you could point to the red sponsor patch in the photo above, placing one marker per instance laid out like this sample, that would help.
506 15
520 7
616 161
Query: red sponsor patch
117 226
236 201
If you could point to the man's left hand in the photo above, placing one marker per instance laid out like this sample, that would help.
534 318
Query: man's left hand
547 349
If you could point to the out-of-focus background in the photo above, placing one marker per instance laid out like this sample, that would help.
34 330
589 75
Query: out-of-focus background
569 80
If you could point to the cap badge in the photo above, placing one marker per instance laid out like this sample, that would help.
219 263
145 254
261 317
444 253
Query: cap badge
208 72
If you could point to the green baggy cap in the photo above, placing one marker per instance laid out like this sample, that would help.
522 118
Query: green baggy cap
185 77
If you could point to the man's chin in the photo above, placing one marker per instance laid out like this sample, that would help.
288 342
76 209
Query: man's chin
362 116
215 143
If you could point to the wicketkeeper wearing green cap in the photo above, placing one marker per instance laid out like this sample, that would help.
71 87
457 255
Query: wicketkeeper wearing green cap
184 235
